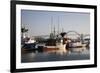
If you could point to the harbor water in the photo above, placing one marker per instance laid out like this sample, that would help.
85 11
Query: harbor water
55 55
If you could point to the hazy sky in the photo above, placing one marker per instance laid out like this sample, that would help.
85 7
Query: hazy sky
39 22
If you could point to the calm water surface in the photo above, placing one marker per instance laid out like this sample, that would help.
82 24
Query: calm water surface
44 56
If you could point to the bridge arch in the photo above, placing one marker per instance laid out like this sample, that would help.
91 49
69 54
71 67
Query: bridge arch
73 33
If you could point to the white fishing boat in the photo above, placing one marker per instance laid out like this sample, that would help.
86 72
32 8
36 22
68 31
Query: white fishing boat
75 45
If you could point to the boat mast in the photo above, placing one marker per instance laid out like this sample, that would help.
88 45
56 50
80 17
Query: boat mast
62 29
51 23
58 25
54 31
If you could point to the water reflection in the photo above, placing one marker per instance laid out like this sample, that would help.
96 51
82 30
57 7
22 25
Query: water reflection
54 55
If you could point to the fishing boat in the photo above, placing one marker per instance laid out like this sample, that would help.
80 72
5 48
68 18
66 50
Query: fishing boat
75 45
29 44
